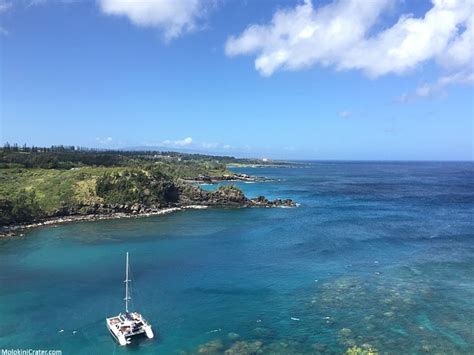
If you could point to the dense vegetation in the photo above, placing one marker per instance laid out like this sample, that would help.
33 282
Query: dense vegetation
67 157
149 187
42 182
19 208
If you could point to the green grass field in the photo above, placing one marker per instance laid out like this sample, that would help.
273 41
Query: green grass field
54 188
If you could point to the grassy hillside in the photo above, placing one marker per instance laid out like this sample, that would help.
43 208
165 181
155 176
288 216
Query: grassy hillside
37 183
54 188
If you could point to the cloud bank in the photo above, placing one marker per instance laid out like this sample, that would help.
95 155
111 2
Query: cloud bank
343 35
104 140
178 143
190 143
173 17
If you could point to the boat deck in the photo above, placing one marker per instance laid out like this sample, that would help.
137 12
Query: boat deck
124 326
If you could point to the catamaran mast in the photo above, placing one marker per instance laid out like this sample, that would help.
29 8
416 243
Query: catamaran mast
127 297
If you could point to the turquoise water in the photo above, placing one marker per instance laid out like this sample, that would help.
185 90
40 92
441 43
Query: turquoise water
378 254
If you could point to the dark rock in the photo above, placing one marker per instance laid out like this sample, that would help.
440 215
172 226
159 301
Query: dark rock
205 178
135 207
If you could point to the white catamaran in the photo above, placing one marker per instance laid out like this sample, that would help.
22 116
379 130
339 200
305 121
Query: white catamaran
129 324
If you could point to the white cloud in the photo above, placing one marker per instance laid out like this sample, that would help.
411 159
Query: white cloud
174 17
104 140
342 35
460 51
178 143
191 143
37 2
210 145
345 114
5 5
432 89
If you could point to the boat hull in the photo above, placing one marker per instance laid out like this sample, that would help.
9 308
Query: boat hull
126 326
149 332
116 335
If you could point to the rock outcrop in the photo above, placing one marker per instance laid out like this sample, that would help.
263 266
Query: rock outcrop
209 179
227 196
262 201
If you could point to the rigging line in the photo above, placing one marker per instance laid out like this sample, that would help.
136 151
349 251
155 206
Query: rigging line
137 295
131 288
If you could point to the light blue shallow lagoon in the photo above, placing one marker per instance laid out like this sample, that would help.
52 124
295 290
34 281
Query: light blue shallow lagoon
377 255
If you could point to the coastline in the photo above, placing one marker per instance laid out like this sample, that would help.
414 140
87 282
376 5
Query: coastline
215 179
18 229
190 197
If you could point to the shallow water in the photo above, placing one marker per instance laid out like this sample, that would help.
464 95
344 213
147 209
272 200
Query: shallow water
378 255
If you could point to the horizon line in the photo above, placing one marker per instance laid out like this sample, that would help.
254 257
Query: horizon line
174 150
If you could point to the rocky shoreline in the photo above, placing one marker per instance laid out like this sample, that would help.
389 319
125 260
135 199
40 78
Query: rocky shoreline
13 230
229 198
184 196
209 179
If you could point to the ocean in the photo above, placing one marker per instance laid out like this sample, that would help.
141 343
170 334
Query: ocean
378 255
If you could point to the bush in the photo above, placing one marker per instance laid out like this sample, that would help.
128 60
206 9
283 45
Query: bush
22 208
136 186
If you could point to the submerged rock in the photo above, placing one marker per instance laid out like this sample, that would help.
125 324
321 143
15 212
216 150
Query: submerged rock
262 332
233 336
283 348
244 348
355 350
212 347
319 347
345 332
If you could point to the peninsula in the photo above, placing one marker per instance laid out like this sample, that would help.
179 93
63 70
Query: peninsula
60 184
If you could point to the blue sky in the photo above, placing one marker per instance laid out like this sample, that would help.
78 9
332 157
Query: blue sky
344 79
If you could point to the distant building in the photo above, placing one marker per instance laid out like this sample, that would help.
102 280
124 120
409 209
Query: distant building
264 160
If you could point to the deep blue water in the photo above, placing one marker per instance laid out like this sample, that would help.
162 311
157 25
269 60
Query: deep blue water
377 254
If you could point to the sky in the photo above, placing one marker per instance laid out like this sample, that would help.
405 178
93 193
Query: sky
334 79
